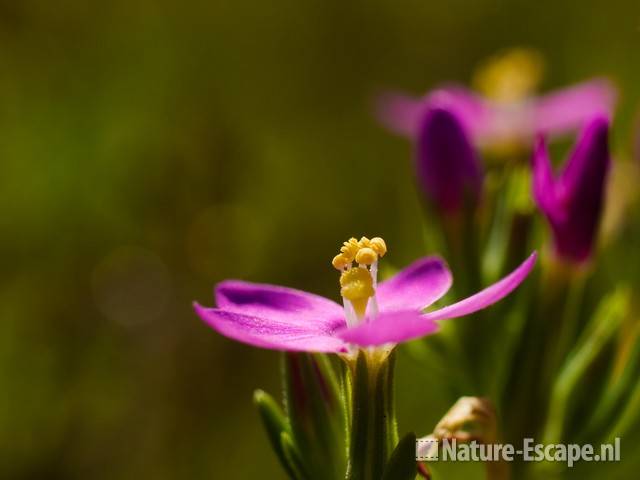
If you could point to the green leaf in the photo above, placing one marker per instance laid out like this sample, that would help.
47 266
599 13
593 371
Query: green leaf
628 418
402 464
615 396
602 326
316 413
275 424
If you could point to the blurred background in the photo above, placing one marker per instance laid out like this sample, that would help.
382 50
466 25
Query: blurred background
149 149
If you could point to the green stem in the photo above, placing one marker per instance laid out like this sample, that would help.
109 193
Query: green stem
569 323
374 432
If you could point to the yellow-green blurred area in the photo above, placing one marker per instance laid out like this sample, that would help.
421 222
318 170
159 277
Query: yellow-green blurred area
149 149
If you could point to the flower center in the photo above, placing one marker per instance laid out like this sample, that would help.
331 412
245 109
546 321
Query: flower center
358 262
512 76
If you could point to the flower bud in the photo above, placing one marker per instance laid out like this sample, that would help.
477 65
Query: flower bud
573 201
447 165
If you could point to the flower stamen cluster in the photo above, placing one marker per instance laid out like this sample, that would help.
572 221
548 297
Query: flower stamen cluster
363 252
358 283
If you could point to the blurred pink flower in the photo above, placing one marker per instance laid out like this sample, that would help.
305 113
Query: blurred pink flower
493 122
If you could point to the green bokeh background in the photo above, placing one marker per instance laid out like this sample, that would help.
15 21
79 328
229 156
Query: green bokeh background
149 149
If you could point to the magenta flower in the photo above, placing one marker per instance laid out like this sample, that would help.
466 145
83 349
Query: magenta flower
493 122
573 201
372 314
448 168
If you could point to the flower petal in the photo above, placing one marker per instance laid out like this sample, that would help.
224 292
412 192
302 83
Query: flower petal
448 168
544 190
589 161
278 303
472 110
270 333
415 287
506 123
568 109
401 113
581 192
400 326
488 296
389 327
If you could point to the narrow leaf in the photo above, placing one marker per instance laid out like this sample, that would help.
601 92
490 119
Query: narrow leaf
402 464
292 457
275 424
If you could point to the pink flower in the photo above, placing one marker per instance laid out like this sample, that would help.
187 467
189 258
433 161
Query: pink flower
281 318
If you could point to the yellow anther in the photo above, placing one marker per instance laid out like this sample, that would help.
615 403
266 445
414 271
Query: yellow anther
366 256
510 76
350 248
364 251
357 287
378 245
340 261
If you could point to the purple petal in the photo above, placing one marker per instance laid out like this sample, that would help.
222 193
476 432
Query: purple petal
508 122
569 109
470 109
488 296
401 113
544 190
415 287
270 333
401 326
590 157
448 167
278 303
575 205
389 327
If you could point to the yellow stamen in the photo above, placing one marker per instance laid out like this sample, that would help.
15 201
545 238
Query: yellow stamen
350 248
379 246
357 287
363 251
358 284
340 261
510 76
366 256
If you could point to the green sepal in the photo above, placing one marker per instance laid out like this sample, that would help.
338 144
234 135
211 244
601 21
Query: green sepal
385 415
275 424
402 464
358 445
316 414
373 424
293 459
